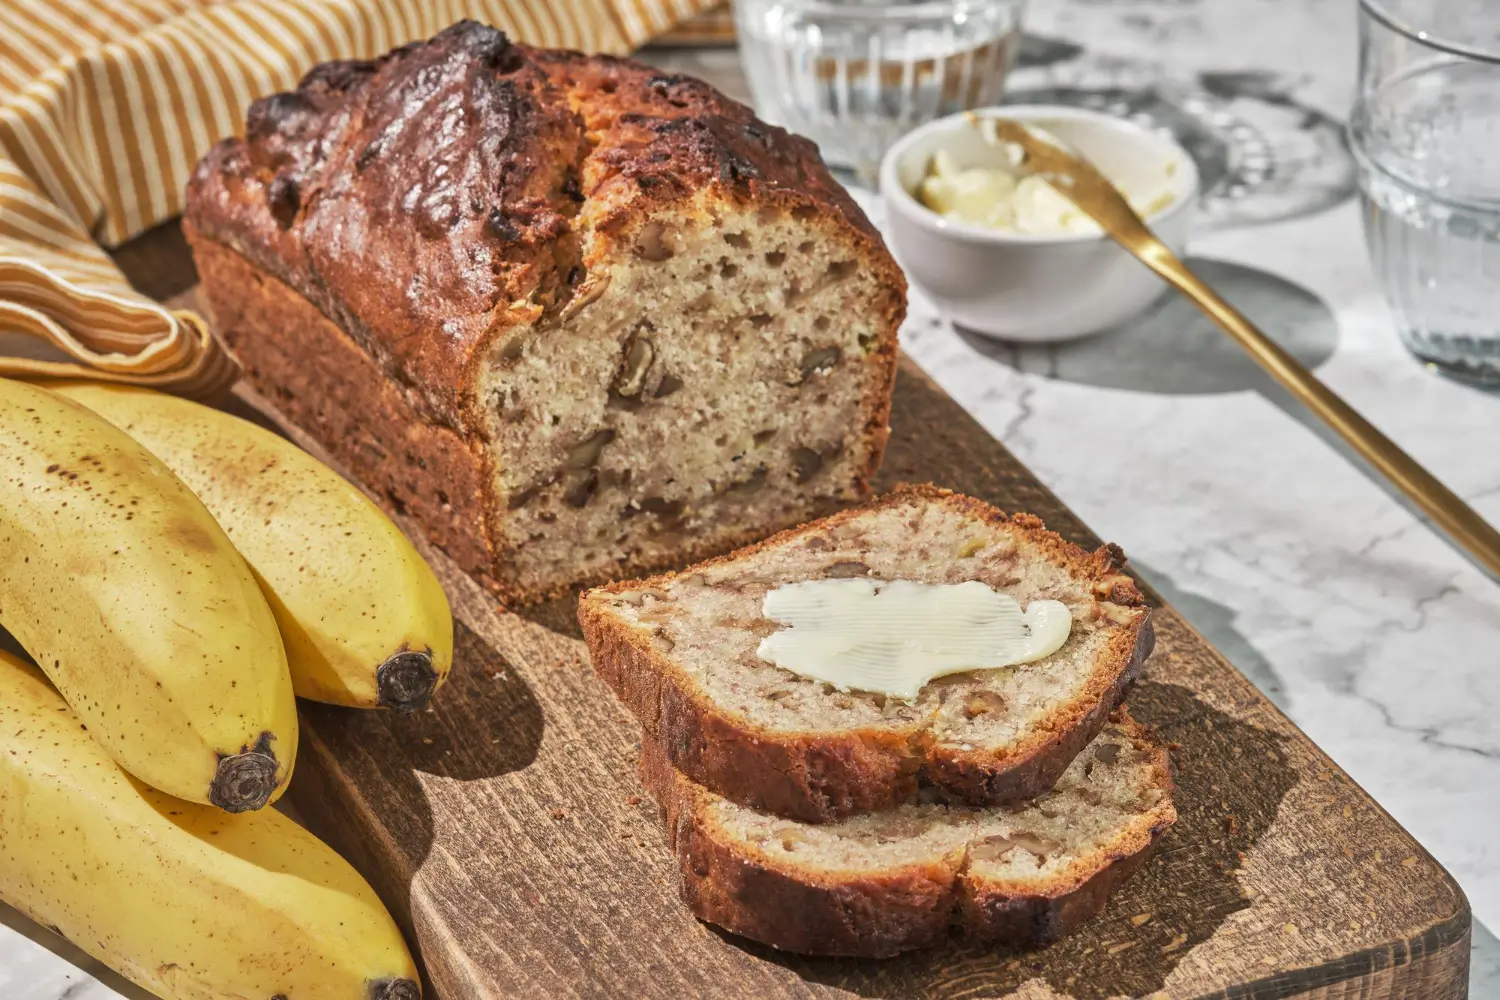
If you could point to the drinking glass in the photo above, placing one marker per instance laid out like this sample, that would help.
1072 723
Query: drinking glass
854 75
1425 133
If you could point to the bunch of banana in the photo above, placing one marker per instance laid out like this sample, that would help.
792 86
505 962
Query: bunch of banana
188 901
177 572
364 619
119 582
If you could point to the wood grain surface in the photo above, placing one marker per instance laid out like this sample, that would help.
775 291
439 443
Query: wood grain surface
506 828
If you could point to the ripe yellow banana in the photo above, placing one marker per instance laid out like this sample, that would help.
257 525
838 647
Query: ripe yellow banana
363 616
186 900
124 588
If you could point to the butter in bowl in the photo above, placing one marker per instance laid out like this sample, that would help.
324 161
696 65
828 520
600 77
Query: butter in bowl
1007 255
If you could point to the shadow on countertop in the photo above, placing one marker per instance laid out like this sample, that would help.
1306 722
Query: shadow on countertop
1173 349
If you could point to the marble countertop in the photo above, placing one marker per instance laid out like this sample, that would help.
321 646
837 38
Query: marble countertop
1369 630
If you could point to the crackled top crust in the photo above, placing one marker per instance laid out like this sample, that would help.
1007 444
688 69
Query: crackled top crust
432 198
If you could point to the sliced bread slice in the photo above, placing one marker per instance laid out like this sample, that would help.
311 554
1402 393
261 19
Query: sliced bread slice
882 883
680 652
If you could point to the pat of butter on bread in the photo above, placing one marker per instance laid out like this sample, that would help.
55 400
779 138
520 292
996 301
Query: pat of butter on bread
892 637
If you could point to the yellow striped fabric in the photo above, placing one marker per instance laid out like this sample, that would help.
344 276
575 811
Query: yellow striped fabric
106 105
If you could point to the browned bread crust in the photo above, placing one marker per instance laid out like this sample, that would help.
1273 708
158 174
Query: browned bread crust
808 907
342 193
400 217
823 775
329 386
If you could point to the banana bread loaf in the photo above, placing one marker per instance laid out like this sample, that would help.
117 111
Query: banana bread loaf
579 318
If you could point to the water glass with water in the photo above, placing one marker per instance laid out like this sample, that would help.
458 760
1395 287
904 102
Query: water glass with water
1426 135
855 75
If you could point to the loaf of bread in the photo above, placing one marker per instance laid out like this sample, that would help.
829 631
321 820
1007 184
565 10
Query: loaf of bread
578 318
680 650
881 883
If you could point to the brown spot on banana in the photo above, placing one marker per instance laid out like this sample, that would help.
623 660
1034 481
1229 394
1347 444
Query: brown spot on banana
244 781
406 680
191 536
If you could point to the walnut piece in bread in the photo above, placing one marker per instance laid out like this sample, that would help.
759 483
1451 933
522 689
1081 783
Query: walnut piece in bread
579 318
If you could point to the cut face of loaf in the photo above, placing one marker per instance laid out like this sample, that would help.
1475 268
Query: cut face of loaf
680 652
881 883
580 319
725 376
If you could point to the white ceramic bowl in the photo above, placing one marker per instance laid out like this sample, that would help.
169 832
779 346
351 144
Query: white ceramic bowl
1025 287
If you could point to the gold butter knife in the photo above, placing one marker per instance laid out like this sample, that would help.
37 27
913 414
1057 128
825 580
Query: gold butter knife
1080 181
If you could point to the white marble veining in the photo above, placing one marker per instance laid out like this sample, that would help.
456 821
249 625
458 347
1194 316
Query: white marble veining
1372 633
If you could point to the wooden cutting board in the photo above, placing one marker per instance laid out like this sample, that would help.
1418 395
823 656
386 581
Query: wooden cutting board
506 829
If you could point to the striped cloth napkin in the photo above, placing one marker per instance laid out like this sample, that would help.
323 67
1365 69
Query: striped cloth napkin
106 105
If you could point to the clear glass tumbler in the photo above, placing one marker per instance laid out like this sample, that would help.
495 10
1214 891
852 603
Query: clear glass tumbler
1425 132
854 75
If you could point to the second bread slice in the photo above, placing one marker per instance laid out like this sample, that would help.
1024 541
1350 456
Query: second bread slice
883 883
680 651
